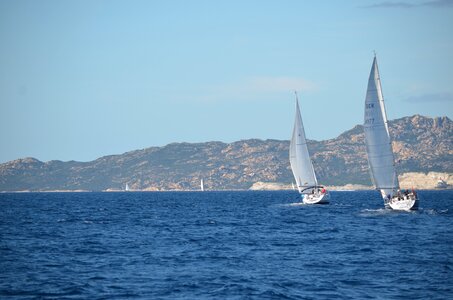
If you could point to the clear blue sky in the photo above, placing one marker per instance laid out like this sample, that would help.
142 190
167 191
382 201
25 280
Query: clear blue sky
82 79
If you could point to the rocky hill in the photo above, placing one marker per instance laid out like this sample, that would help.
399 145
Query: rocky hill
421 144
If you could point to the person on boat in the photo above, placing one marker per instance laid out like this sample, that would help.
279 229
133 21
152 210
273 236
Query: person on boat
323 191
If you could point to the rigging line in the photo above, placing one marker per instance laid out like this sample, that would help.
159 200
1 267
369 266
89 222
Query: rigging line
383 167
377 156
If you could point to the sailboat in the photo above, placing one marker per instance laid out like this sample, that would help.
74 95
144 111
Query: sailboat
201 185
441 184
126 188
379 148
302 167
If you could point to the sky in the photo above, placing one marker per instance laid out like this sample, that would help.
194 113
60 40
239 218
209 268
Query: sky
86 78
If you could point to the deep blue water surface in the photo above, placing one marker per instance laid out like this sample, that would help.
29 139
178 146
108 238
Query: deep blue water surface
223 245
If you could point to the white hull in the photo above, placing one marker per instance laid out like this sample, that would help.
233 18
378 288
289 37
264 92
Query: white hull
317 198
403 202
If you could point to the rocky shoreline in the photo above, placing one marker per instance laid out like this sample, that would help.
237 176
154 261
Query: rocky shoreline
420 144
416 180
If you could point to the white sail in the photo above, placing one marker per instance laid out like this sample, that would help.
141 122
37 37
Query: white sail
299 156
377 137
201 185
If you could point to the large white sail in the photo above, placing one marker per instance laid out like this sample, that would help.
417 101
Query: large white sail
298 155
377 137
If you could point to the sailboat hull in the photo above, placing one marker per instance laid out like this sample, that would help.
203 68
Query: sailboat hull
317 198
406 202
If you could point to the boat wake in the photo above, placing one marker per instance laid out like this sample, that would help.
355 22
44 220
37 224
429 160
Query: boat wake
384 212
293 204
297 204
302 204
376 212
435 211
373 212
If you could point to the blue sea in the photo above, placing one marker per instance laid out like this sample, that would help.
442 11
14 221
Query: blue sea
223 245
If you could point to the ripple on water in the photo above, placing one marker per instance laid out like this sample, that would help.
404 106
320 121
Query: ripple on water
257 245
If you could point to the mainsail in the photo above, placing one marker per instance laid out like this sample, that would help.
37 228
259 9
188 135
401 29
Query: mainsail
377 137
298 155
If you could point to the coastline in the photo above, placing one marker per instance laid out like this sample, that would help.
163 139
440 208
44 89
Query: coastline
409 180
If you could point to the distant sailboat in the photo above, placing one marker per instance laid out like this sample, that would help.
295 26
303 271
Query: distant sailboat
302 167
441 184
126 188
201 185
379 148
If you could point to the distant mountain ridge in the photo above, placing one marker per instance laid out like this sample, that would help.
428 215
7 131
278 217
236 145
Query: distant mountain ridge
421 144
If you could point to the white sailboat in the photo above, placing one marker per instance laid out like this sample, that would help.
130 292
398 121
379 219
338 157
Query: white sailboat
441 184
201 185
302 167
126 188
379 148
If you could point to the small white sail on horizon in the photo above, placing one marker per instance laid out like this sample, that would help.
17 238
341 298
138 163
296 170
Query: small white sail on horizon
126 188
379 144
201 185
301 164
